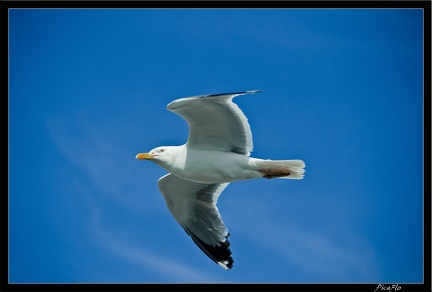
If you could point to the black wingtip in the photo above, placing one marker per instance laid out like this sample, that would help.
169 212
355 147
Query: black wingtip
219 254
232 93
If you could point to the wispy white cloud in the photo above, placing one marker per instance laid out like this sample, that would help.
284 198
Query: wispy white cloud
102 159
177 271
324 258
321 255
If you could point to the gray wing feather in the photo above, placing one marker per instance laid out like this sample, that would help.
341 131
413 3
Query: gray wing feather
215 122
193 205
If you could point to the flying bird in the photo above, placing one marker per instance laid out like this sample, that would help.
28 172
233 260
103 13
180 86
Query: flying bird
216 153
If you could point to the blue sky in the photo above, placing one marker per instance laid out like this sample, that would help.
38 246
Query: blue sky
341 89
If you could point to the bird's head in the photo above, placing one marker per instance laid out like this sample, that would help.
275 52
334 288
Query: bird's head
164 155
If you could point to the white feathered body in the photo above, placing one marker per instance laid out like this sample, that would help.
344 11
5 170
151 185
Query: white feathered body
206 166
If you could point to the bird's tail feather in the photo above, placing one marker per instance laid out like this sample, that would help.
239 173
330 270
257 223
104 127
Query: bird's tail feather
292 169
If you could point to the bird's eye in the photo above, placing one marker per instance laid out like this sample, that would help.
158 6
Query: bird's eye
162 150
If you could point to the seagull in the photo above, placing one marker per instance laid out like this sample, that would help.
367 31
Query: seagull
216 153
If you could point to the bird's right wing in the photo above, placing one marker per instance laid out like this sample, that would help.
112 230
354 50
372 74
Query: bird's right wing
193 205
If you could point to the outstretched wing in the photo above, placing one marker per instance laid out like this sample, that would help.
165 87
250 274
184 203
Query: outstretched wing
215 122
193 205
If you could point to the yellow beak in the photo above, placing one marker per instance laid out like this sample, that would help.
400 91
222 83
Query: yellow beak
142 156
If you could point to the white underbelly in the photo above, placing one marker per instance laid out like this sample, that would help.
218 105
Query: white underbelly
206 167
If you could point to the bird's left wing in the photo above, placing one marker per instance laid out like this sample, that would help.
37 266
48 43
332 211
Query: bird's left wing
193 205
215 122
